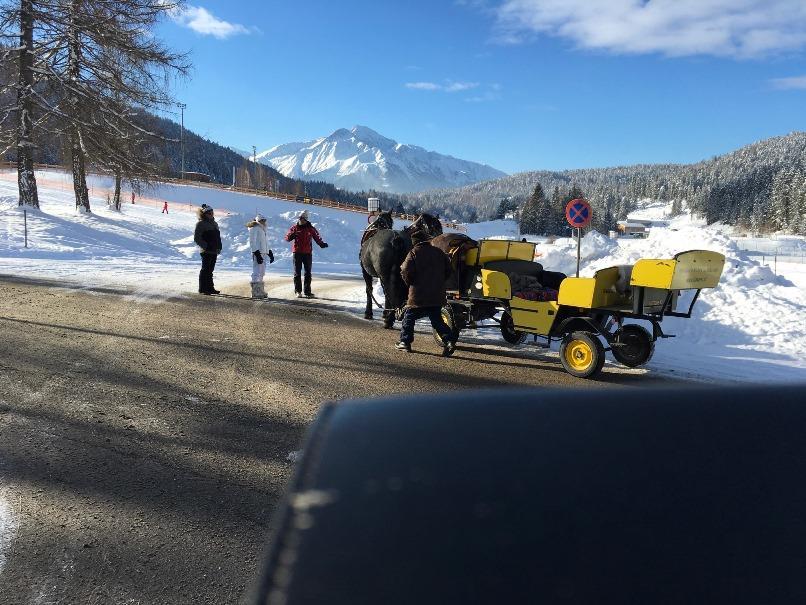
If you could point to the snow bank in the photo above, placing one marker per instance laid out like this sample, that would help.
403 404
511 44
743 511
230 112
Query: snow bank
8 529
750 327
502 229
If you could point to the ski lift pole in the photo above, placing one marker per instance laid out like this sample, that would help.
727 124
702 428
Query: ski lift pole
25 223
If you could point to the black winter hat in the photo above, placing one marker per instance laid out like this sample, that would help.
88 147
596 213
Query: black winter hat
205 208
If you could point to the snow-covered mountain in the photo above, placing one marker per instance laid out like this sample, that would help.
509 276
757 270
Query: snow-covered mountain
361 159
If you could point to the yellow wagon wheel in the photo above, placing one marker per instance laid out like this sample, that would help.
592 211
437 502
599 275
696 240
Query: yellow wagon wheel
582 354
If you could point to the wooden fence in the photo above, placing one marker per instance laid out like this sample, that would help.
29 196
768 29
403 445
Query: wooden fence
263 193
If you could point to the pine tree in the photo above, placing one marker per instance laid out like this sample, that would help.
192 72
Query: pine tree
531 220
557 222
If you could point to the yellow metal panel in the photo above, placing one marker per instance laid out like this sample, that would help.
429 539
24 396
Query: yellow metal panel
577 292
697 269
494 249
491 249
653 273
692 269
495 284
521 251
533 316
605 293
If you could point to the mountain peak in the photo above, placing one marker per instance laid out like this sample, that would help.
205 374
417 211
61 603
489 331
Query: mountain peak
363 159
341 133
371 137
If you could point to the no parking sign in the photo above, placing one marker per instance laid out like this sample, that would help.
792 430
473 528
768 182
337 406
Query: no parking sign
578 213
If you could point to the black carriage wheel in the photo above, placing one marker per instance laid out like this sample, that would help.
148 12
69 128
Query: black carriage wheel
450 317
634 345
582 354
508 331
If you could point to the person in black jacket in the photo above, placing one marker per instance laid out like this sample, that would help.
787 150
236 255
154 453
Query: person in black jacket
208 239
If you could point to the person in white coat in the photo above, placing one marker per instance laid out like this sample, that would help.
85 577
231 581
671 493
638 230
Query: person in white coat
259 245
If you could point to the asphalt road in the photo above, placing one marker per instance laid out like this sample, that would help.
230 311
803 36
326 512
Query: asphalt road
144 444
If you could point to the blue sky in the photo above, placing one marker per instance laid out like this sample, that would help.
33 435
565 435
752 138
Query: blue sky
517 84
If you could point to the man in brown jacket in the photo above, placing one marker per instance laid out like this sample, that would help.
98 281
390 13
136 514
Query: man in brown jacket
425 270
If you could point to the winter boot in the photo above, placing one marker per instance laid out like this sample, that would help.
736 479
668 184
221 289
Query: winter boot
261 290
255 289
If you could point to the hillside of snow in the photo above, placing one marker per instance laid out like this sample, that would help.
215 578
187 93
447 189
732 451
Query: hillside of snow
750 328
153 252
360 159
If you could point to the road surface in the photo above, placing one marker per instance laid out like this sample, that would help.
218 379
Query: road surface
144 443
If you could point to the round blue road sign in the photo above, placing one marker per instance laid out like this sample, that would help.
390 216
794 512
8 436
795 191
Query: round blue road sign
578 213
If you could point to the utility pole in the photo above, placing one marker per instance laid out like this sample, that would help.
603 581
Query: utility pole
182 139
254 160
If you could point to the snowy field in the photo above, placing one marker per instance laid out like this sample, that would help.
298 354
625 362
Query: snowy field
750 329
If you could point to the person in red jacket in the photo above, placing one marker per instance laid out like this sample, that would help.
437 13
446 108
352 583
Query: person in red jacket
300 236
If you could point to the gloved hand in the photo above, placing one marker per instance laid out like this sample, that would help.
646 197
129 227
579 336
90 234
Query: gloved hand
258 257
271 257
291 237
325 245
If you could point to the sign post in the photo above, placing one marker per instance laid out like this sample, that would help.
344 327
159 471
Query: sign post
578 213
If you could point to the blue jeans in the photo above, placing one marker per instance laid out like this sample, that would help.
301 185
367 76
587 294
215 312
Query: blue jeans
432 313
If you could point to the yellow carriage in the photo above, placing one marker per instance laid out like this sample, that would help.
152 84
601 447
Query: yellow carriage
499 280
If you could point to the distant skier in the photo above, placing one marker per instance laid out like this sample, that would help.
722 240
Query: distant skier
259 245
301 235
165 208
208 239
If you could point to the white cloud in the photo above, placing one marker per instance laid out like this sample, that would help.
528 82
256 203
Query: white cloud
449 86
492 94
460 86
723 28
793 83
423 86
202 21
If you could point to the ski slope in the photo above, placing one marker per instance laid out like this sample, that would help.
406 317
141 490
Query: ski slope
750 329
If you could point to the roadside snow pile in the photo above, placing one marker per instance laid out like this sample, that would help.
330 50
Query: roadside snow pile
562 254
749 328
8 529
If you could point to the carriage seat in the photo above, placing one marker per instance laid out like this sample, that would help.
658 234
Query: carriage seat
547 279
528 280
521 267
